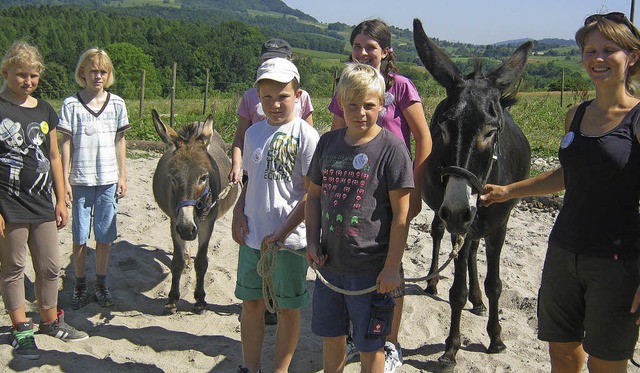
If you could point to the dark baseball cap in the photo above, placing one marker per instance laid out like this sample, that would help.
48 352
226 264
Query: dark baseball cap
275 48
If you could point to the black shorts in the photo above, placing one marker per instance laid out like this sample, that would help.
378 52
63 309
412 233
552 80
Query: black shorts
588 299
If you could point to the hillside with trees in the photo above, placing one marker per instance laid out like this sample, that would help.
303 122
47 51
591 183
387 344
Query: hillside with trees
224 38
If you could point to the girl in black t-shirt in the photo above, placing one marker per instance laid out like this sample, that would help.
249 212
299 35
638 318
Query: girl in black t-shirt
30 169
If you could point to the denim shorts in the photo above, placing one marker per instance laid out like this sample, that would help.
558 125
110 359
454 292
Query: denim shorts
97 204
332 311
289 278
588 299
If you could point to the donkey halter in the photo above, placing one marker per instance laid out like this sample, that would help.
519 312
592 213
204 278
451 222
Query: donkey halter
469 176
200 204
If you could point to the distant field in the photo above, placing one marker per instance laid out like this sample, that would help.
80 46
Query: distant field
539 114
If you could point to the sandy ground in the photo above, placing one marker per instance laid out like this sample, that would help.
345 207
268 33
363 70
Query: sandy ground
135 336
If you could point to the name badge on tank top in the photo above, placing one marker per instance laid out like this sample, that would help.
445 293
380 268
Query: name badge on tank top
567 140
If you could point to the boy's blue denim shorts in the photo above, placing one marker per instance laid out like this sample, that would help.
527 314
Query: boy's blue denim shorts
97 204
332 311
289 278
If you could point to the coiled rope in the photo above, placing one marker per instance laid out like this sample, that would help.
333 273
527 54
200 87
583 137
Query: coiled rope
269 259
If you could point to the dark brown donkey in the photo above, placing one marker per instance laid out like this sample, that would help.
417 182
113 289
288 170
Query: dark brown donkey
190 185
475 141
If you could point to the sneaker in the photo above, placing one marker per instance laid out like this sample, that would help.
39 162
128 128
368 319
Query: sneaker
242 369
23 341
103 296
352 350
392 357
61 330
80 297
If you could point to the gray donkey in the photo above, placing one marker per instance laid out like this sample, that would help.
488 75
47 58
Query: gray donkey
190 185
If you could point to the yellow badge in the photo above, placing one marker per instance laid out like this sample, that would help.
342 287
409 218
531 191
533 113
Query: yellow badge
44 127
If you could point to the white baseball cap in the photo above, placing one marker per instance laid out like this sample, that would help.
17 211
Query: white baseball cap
278 69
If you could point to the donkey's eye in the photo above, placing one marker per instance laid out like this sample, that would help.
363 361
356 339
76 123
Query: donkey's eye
203 179
489 132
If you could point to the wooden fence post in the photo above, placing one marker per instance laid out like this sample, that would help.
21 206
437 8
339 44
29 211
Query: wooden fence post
173 91
562 89
206 94
141 93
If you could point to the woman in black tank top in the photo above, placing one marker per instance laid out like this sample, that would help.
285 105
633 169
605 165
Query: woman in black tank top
589 296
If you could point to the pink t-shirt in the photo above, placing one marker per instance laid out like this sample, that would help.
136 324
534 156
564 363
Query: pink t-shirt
399 96
250 107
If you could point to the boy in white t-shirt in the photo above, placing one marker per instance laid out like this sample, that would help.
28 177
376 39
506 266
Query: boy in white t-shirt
279 151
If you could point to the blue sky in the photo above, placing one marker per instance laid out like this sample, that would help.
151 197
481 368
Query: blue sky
469 21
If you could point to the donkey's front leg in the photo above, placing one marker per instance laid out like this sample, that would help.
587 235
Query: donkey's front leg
177 267
475 295
493 288
202 263
437 232
457 300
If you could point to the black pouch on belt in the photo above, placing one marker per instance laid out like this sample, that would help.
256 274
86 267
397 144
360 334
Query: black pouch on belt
382 306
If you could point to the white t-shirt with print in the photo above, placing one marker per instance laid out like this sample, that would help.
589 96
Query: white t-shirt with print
276 158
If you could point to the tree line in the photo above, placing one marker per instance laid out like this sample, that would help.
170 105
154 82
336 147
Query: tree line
229 51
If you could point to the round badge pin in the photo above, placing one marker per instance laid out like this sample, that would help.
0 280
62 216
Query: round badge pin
360 160
256 157
567 140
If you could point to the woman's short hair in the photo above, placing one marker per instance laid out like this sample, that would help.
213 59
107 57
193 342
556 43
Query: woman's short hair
617 28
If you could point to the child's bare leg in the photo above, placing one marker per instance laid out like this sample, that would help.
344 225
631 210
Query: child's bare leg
252 333
102 258
80 259
372 361
287 336
395 324
334 354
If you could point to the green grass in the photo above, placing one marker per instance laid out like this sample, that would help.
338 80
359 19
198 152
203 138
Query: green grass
538 114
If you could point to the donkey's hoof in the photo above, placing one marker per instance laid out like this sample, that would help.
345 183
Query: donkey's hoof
446 365
170 309
199 308
480 310
496 348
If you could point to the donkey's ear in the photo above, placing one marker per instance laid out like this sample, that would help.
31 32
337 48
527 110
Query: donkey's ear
166 133
207 131
439 65
509 72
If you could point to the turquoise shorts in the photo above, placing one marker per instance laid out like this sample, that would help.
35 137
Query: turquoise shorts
289 278
97 204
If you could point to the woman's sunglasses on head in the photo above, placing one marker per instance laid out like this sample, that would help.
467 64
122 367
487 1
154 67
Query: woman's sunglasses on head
617 17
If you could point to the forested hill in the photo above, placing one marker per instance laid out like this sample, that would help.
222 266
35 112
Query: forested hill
272 17
223 41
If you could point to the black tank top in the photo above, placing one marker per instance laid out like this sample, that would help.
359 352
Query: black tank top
599 216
